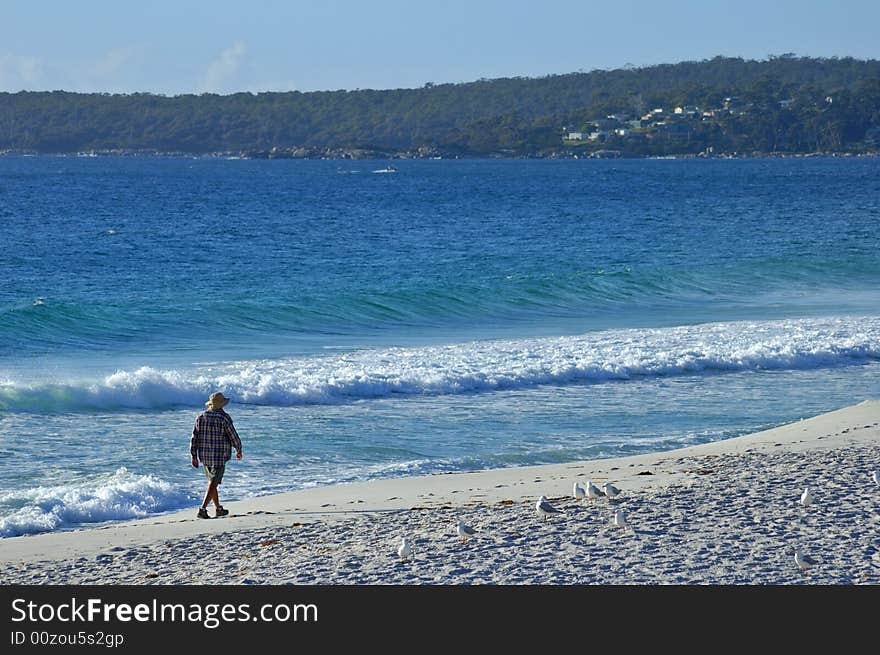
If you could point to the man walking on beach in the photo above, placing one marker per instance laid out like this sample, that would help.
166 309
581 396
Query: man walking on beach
212 442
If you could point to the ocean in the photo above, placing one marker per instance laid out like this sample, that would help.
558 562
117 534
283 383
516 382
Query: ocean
453 315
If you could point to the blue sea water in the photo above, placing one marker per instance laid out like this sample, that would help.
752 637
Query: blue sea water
454 315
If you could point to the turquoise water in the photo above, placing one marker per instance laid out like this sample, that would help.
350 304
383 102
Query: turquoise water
454 315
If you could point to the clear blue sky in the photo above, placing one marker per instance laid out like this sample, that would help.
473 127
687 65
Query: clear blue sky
223 46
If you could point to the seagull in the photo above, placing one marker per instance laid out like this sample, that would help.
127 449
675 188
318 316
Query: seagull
610 490
806 497
578 492
620 519
465 531
592 490
875 476
405 548
545 509
803 561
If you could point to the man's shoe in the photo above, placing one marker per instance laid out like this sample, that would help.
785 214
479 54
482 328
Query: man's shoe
221 511
203 513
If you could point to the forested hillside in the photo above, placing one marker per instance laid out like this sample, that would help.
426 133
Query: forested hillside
782 104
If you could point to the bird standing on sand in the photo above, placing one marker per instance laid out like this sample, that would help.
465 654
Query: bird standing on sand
592 490
610 490
875 476
620 519
578 492
806 497
405 549
545 509
803 561
465 531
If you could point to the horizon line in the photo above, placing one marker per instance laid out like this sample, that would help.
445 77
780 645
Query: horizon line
430 85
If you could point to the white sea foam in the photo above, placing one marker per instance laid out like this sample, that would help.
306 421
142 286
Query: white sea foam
476 366
121 495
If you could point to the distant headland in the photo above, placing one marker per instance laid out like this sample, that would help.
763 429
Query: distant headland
722 107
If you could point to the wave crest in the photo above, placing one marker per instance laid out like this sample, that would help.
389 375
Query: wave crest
475 366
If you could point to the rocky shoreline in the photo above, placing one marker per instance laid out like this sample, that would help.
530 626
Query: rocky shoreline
313 152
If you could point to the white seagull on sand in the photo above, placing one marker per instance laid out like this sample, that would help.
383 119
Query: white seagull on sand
806 497
592 490
405 548
465 531
610 490
578 491
620 519
875 476
545 509
803 561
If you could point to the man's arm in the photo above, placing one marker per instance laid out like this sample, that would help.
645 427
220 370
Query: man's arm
232 435
194 445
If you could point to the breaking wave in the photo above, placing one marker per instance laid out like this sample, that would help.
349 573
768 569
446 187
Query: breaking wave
479 366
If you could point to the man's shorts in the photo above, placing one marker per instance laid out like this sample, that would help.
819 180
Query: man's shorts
215 473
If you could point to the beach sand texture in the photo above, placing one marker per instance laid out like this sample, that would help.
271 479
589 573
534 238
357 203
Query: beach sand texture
726 512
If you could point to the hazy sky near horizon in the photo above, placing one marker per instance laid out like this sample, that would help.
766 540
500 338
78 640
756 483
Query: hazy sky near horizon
223 46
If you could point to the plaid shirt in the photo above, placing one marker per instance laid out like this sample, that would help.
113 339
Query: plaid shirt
213 438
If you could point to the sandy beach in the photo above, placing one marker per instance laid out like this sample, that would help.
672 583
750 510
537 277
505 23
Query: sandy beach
726 512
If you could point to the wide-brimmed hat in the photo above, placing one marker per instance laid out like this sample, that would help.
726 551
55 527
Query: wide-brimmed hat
217 401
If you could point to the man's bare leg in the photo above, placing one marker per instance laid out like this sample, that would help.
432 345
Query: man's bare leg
211 495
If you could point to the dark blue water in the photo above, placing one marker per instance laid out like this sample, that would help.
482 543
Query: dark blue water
451 315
